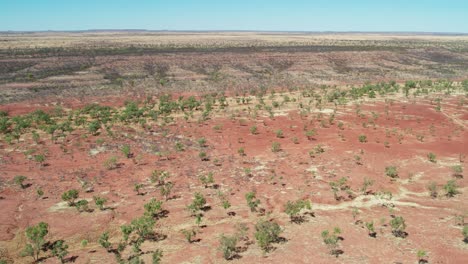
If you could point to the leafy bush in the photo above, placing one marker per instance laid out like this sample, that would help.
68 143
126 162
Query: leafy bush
252 201
99 201
197 204
433 190
153 208
59 250
70 196
370 228
19 180
331 240
391 171
432 157
275 147
398 226
254 130
266 233
82 205
457 171
35 235
189 234
228 246
465 233
294 208
206 180
111 163
362 138
451 188
126 151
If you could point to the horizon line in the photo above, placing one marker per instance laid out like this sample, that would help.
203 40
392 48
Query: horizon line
233 30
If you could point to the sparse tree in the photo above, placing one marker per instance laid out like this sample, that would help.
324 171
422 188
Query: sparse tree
59 250
70 196
331 240
19 180
36 236
398 226
266 233
228 246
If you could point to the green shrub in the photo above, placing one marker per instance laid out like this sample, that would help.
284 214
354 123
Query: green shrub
362 138
451 188
275 147
294 208
153 208
35 235
254 130
59 250
99 201
126 151
391 171
252 201
189 234
266 233
465 233
228 246
398 226
432 157
197 204
70 196
19 180
331 240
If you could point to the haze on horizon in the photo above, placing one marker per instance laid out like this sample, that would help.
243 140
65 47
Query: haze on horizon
255 15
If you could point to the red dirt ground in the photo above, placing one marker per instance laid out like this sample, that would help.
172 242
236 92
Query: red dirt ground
276 177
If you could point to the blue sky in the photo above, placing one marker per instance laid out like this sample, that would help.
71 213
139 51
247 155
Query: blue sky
290 15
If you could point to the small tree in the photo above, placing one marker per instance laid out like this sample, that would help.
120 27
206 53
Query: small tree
241 152
126 151
398 226
189 234
137 188
70 196
421 254
451 188
252 201
228 246
153 208
371 229
207 180
254 130
104 241
111 163
362 138
19 180
266 233
294 208
166 190
465 233
331 240
457 171
275 147
157 256
203 156
310 134
39 159
159 177
391 171
433 190
59 250
100 201
35 235
82 205
432 157
197 204
279 133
